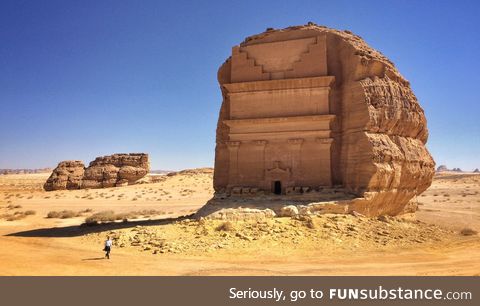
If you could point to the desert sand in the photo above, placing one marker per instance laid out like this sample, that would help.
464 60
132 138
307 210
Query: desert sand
156 243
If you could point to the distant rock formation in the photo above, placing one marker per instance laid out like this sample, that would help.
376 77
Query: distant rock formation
67 175
442 168
25 171
106 171
457 170
476 171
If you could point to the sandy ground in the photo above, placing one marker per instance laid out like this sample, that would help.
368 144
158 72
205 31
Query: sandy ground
326 245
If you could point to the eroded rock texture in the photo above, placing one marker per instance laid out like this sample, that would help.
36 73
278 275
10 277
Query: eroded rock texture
116 170
67 175
309 107
103 172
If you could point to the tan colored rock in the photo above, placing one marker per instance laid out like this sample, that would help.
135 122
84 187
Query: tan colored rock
67 175
242 214
288 211
107 171
308 107
116 169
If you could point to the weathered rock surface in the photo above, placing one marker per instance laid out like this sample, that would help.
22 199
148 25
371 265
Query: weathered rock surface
107 171
364 130
242 214
67 175
116 170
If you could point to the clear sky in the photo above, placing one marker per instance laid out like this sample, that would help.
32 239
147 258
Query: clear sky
80 79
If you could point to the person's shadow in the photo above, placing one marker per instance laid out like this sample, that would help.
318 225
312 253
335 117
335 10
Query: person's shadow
94 258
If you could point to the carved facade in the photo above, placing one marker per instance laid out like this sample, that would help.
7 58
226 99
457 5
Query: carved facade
309 107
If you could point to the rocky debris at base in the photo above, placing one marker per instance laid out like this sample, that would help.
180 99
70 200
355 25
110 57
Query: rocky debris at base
242 214
107 171
327 232
288 211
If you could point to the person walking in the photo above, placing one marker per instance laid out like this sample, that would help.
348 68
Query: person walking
108 247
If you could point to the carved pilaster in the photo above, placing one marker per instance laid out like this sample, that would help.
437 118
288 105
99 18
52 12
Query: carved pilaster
259 147
296 149
233 161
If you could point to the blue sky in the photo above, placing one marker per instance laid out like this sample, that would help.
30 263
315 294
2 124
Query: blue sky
79 79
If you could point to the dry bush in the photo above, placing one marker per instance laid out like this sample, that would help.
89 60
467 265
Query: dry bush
14 217
468 232
110 216
17 215
125 216
225 226
11 206
64 214
103 216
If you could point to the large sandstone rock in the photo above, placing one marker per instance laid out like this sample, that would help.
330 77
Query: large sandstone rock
308 107
117 169
107 171
67 175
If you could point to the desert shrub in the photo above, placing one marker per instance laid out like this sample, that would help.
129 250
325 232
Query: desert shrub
64 214
11 206
468 232
103 216
225 226
126 216
17 215
53 214
14 217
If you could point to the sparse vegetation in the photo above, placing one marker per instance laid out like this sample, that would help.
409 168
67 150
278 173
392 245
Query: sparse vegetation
468 232
103 216
110 215
30 212
11 206
64 214
17 215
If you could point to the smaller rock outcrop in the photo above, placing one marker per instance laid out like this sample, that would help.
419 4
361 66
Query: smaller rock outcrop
106 171
457 170
476 171
116 170
442 168
67 175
